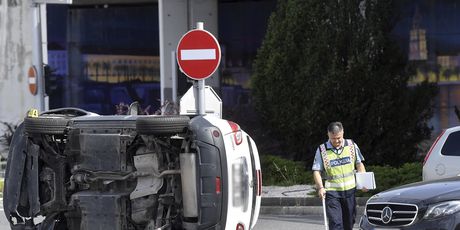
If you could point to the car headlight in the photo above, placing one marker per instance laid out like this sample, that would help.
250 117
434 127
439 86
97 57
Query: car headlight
442 209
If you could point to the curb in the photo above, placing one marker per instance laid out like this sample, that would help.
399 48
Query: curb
300 205
299 210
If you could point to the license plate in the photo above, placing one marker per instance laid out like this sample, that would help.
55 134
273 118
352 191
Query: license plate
364 220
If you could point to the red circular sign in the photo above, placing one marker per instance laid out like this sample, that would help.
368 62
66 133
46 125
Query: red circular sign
32 77
198 54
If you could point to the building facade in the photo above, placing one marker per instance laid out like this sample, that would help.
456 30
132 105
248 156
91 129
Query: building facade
102 55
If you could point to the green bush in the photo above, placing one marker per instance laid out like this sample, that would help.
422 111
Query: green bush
387 177
283 172
279 171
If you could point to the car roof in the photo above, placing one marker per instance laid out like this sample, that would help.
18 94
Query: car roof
453 129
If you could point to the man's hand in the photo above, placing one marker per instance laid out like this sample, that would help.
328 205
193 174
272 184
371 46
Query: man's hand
362 169
322 193
319 184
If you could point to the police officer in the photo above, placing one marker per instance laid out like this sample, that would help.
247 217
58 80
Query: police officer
336 160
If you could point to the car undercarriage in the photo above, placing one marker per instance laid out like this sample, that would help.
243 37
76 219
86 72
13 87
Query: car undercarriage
77 171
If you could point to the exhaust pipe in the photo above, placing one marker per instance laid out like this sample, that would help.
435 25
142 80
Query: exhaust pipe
189 183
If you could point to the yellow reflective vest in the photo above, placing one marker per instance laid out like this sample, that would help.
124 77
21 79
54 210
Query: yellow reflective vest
339 168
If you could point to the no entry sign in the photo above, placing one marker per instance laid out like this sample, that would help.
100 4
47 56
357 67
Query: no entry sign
32 76
198 54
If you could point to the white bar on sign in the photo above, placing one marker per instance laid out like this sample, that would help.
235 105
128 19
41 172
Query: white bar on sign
32 80
198 54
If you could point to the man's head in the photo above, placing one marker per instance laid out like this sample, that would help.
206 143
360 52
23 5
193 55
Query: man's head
335 133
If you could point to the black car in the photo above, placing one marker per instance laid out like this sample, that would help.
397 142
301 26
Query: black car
421 205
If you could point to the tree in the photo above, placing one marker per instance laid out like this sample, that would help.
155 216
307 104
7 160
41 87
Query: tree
324 61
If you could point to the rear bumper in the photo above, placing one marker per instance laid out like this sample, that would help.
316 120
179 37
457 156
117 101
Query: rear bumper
211 164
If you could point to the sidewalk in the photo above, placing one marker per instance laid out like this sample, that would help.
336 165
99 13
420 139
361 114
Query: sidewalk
296 200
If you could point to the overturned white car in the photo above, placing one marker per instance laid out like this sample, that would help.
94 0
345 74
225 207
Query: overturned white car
79 170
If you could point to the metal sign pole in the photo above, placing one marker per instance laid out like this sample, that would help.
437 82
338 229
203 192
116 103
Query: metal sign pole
200 83
201 96
38 57
174 77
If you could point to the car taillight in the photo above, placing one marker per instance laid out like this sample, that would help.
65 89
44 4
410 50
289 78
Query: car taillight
237 134
218 188
432 147
239 227
259 183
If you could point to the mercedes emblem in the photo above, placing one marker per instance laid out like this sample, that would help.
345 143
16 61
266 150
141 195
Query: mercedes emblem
387 213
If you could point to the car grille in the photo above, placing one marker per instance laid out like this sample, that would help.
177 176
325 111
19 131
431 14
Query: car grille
391 214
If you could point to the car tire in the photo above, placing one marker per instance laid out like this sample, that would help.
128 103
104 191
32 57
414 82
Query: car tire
46 124
162 125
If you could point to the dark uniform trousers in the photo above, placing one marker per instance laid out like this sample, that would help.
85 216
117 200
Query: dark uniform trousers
341 209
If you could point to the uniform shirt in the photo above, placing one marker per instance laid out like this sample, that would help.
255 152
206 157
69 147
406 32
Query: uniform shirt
318 164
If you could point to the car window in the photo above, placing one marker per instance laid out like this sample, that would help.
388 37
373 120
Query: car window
452 145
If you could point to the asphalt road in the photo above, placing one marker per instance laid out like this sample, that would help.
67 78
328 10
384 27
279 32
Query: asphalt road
265 222
290 222
311 222
4 225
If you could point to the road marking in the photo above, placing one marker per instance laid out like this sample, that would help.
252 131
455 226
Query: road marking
198 54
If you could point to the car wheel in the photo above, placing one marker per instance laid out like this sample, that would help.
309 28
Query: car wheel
162 125
46 124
